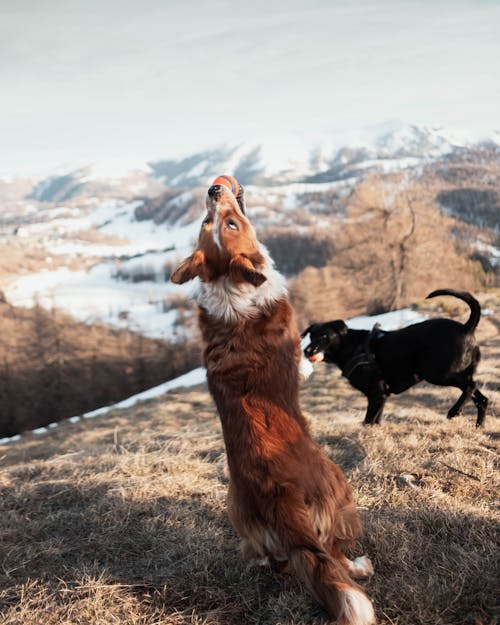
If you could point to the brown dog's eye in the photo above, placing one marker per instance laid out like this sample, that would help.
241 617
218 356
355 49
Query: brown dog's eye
231 224
206 221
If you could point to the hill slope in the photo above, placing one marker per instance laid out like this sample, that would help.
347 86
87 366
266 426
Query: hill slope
121 519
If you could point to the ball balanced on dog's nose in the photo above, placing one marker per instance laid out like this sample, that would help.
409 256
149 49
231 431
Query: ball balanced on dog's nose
228 181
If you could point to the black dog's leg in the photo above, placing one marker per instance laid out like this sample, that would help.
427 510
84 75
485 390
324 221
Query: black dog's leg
375 409
467 391
481 402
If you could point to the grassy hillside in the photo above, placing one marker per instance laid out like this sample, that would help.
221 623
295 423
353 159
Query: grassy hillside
122 519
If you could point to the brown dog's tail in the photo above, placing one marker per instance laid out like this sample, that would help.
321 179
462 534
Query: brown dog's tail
475 309
327 580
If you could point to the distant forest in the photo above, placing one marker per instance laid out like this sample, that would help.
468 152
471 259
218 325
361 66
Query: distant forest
52 367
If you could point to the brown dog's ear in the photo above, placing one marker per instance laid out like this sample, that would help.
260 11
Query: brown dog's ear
190 268
241 269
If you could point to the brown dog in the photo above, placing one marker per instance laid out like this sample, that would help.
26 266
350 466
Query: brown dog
287 500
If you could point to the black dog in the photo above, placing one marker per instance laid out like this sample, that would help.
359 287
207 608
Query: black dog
378 363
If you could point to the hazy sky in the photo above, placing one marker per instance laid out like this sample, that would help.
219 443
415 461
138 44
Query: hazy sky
85 79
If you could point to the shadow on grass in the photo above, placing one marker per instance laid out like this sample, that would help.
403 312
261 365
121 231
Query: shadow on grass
433 566
345 451
177 555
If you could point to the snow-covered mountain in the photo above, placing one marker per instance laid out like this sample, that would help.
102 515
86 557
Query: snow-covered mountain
269 161
101 179
274 161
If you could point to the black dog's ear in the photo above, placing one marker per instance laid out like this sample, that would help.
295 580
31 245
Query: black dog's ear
339 327
306 331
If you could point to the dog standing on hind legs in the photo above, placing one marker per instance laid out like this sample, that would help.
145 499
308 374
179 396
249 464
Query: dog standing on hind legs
288 502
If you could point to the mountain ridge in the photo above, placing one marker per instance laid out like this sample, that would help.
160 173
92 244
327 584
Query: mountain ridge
268 161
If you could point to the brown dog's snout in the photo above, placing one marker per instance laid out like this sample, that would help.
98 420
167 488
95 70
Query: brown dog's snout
215 191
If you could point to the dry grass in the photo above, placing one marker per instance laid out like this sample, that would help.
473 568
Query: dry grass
122 519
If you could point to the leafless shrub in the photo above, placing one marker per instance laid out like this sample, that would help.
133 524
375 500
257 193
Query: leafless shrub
136 273
178 301
293 251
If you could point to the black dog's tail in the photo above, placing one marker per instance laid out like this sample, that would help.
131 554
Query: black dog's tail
475 309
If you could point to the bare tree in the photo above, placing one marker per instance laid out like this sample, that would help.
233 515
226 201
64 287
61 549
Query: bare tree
393 247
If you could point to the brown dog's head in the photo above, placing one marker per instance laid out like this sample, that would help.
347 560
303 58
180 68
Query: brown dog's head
227 244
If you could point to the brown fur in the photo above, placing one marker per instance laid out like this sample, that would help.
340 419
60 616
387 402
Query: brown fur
286 499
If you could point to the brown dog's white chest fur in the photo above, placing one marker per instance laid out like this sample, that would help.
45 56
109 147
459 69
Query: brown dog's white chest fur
224 299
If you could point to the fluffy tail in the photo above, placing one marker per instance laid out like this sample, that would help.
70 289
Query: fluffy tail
327 580
475 309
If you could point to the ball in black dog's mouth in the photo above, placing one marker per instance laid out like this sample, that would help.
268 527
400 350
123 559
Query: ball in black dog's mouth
317 357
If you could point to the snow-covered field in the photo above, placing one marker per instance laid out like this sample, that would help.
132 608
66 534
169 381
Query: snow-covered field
99 294
388 321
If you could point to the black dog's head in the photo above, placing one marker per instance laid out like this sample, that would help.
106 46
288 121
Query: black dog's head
323 337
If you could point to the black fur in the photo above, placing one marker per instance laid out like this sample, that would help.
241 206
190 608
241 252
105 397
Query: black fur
440 351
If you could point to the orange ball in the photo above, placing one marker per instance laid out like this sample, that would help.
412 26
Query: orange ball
228 181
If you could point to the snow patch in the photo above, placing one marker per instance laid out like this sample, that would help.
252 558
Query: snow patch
96 296
388 321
